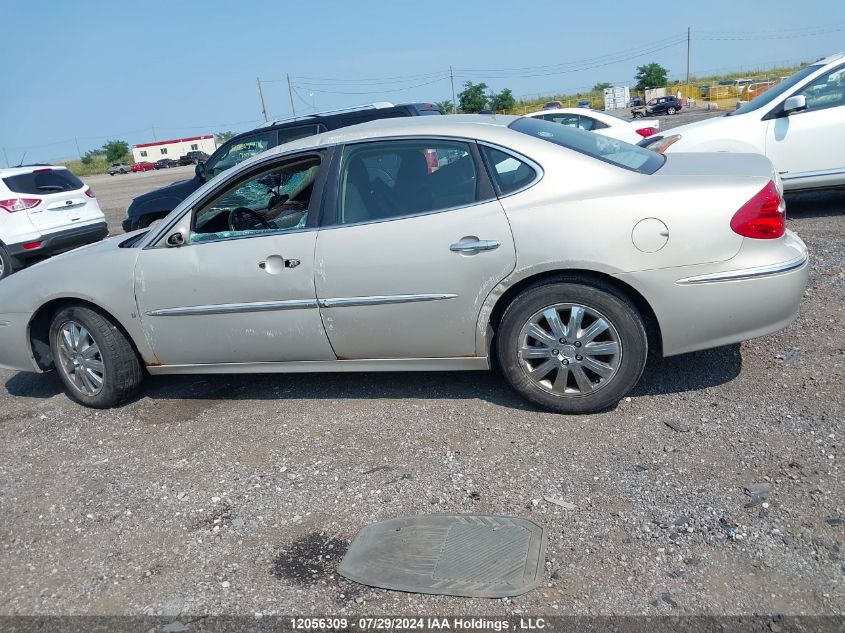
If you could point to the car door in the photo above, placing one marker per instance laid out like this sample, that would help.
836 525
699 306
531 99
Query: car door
241 287
805 143
414 240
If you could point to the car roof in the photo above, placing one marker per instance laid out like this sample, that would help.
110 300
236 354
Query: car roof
26 169
830 59
473 126
458 125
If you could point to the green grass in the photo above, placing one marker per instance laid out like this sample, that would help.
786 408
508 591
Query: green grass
597 97
98 165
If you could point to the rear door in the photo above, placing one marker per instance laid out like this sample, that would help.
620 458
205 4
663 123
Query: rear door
412 249
62 194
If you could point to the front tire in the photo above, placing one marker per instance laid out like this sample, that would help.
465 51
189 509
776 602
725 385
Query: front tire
572 347
94 357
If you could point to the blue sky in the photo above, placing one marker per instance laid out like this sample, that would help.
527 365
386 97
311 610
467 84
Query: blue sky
128 70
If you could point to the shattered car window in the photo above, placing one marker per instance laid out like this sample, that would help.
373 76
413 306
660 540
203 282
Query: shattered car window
269 202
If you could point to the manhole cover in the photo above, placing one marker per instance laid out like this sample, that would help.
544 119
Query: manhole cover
459 555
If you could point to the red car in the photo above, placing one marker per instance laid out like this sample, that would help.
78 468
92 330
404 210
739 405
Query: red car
143 166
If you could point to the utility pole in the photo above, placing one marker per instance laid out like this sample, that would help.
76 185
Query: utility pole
6 157
154 132
78 153
454 102
290 92
261 96
688 48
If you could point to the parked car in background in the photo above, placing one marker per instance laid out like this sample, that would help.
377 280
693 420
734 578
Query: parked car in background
118 168
44 210
193 158
799 124
143 166
166 163
553 105
600 123
658 105
147 208
347 252
583 103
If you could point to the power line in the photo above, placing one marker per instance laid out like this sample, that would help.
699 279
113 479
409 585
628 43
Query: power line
374 92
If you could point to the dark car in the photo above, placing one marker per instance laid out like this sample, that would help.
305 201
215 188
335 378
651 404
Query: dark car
156 204
193 158
165 163
664 105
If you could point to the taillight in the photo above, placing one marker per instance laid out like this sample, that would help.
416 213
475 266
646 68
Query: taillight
662 144
763 217
645 132
89 192
19 204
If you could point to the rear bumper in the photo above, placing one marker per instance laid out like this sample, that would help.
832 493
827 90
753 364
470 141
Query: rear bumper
700 309
60 241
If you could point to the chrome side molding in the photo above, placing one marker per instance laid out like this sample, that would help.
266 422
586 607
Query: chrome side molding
295 304
745 273
344 302
232 308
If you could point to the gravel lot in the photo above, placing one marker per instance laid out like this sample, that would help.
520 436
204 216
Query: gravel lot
238 495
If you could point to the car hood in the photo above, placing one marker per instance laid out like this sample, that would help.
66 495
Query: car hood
717 164
176 188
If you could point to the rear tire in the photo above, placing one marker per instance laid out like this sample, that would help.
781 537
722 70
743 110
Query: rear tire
573 366
671 111
7 264
94 357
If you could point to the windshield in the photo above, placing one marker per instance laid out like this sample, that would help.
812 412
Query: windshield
604 148
774 92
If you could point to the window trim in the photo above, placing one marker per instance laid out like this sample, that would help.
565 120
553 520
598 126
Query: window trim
485 190
800 90
325 154
539 172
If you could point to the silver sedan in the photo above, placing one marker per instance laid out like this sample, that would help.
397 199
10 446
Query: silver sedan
428 243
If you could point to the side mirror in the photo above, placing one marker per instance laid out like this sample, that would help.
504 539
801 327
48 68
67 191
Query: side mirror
174 240
199 170
795 103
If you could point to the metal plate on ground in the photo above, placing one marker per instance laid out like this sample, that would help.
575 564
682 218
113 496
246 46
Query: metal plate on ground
469 555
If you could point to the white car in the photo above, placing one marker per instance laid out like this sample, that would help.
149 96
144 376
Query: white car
601 123
44 210
799 124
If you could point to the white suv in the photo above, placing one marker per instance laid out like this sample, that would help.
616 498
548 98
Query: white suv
44 210
799 124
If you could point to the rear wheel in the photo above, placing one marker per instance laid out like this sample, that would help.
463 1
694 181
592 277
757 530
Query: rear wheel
571 347
93 357
670 111
6 263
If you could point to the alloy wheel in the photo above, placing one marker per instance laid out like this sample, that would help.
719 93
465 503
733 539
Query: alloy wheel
80 358
569 350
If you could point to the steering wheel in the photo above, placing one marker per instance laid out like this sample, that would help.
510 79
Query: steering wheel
237 217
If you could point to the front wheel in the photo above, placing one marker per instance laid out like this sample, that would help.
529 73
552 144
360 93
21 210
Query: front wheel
93 357
572 347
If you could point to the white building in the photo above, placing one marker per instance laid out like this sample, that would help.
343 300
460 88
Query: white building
173 149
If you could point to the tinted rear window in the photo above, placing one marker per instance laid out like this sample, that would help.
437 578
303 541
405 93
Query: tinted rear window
43 182
603 148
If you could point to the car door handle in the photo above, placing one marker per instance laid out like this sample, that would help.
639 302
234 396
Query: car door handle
276 264
477 245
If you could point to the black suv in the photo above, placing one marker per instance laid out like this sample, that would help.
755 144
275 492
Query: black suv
151 206
193 158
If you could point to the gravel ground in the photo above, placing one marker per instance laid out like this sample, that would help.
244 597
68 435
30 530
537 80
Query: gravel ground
716 488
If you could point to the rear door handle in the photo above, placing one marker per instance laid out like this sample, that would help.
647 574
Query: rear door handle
478 245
